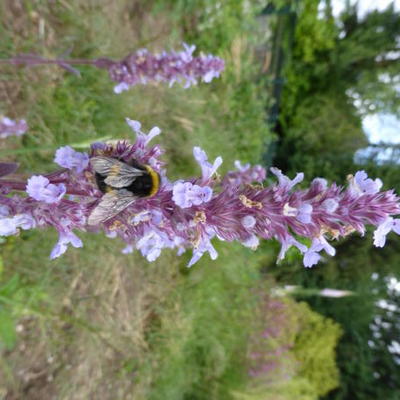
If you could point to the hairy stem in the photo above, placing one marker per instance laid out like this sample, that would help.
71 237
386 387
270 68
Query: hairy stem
33 59
21 186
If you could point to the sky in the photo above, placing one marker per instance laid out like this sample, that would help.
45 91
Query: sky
378 127
382 128
363 5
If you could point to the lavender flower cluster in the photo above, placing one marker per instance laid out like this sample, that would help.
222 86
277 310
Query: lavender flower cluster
190 214
9 127
143 67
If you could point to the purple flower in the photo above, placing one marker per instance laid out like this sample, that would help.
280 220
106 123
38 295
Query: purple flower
187 54
67 157
304 213
142 137
320 184
201 194
180 194
8 127
203 247
24 221
185 194
284 182
40 188
4 211
245 174
240 167
210 75
248 221
389 224
252 242
311 256
287 242
121 87
207 169
98 146
128 249
64 240
153 242
143 67
330 205
9 226
361 184
134 125
150 245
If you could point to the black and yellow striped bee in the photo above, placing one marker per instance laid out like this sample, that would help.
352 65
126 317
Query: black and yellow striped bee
122 184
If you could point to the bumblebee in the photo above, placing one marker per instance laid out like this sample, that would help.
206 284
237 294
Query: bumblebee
122 184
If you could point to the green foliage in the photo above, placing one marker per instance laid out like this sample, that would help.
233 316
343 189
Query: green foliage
321 138
315 349
351 269
8 335
17 298
367 57
318 124
295 388
308 56
199 352
298 354
212 25
314 35
358 360
327 68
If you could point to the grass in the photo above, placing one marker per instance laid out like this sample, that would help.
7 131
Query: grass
95 323
149 331
226 118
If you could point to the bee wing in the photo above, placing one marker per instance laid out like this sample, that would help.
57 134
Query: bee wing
118 174
111 204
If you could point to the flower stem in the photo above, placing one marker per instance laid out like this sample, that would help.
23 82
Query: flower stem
21 186
33 59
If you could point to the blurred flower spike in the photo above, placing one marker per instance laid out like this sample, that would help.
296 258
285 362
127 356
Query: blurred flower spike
9 127
143 67
192 213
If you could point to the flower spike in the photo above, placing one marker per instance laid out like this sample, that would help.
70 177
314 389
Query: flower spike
193 213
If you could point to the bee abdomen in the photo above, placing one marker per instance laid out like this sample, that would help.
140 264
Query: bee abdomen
142 186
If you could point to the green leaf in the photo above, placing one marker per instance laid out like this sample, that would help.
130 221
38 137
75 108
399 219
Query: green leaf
9 289
8 335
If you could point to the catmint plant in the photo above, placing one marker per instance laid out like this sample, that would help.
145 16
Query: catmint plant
141 67
194 213
144 67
